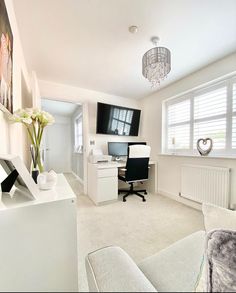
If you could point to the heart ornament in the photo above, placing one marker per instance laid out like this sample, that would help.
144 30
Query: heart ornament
204 146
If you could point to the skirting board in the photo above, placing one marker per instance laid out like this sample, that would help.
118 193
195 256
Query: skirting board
77 177
182 200
187 202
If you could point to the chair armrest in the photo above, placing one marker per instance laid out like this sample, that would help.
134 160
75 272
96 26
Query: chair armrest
111 269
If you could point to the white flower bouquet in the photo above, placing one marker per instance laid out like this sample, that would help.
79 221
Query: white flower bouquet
35 121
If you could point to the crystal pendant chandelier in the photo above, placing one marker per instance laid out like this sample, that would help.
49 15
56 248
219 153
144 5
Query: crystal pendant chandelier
156 63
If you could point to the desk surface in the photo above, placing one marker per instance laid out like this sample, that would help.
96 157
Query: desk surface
119 164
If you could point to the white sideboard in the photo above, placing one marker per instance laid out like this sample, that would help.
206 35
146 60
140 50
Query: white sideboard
38 241
103 181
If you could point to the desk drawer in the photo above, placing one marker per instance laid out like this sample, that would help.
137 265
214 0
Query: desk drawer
110 172
107 189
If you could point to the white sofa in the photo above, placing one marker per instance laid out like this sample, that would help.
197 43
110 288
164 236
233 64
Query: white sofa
174 269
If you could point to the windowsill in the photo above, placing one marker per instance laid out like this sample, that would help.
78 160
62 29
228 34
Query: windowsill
198 156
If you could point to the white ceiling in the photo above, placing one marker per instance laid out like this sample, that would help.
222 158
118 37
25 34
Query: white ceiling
86 43
59 108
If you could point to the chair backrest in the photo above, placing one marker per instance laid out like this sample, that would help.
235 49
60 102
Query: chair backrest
137 163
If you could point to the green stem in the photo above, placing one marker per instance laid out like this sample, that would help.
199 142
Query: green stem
39 139
34 132
36 140
41 135
30 135
40 165
38 135
38 159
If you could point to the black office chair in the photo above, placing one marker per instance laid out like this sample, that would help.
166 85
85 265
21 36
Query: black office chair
136 169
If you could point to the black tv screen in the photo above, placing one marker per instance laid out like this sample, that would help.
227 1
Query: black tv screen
116 120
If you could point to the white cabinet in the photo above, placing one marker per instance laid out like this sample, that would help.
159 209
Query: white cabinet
102 182
38 246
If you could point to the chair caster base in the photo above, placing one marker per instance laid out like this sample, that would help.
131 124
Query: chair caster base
145 192
144 199
124 200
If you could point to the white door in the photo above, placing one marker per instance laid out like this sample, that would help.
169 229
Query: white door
57 148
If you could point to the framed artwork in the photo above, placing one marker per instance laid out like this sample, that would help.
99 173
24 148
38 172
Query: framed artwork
6 62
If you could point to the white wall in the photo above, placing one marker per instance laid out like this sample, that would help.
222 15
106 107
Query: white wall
64 92
12 138
36 96
169 167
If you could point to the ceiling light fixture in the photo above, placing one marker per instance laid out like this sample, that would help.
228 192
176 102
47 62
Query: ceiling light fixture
156 63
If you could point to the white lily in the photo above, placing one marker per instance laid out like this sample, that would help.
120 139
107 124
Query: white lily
35 121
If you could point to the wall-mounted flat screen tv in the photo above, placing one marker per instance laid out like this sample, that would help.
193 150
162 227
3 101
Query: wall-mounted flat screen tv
116 120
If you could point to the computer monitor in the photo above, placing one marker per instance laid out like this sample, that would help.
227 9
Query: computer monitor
120 149
135 143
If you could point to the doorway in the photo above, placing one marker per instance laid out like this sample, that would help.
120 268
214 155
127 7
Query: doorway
63 142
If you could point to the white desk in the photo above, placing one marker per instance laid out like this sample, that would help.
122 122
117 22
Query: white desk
38 247
103 181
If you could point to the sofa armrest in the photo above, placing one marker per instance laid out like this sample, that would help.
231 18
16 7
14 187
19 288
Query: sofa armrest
111 269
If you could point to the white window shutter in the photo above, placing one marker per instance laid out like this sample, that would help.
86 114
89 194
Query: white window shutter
178 119
206 113
210 117
234 117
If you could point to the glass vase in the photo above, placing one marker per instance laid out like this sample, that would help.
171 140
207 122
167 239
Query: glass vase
35 174
36 162
39 160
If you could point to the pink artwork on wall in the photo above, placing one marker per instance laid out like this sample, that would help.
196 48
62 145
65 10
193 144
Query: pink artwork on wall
6 53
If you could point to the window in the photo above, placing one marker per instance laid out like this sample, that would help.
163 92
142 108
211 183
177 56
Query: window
209 112
78 125
210 117
179 125
121 121
234 117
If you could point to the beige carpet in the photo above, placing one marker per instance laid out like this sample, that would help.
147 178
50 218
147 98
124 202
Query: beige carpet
141 229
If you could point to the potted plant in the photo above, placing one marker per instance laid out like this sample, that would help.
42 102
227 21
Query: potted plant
35 122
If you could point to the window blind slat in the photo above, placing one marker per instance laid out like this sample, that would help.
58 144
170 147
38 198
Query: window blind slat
207 106
214 129
179 112
210 104
234 133
179 137
234 97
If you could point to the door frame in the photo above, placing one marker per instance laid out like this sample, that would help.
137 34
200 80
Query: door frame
85 116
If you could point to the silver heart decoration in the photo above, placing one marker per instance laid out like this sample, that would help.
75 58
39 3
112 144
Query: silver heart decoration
204 142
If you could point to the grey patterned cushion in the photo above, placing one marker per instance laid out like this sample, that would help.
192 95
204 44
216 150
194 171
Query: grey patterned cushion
221 261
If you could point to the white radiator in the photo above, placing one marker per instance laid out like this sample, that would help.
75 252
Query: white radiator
206 184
